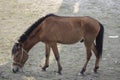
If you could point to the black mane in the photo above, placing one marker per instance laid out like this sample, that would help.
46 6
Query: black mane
32 27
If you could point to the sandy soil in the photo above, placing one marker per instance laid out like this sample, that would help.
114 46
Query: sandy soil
17 15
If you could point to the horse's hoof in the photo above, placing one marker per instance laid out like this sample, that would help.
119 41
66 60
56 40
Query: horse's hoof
82 71
95 69
80 74
43 69
59 73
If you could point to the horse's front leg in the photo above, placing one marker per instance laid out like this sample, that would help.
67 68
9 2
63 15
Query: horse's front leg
47 55
56 54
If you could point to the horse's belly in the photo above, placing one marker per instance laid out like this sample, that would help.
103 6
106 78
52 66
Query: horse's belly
70 39
67 42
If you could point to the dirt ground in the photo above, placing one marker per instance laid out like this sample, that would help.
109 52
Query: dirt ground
17 15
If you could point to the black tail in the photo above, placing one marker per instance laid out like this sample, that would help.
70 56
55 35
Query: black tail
99 41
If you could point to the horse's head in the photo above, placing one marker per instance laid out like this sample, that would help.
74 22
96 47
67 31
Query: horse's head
20 56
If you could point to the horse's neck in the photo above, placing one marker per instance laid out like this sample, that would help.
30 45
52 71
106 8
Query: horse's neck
28 44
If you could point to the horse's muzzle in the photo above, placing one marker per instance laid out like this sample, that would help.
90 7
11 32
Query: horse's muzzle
16 69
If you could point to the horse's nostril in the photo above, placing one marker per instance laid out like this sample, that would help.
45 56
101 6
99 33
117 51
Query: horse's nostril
15 70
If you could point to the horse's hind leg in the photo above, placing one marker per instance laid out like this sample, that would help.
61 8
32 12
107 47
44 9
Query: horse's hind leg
89 54
56 53
47 54
97 58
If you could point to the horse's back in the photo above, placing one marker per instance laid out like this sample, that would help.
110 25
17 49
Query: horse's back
67 30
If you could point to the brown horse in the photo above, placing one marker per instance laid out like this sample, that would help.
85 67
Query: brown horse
53 29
